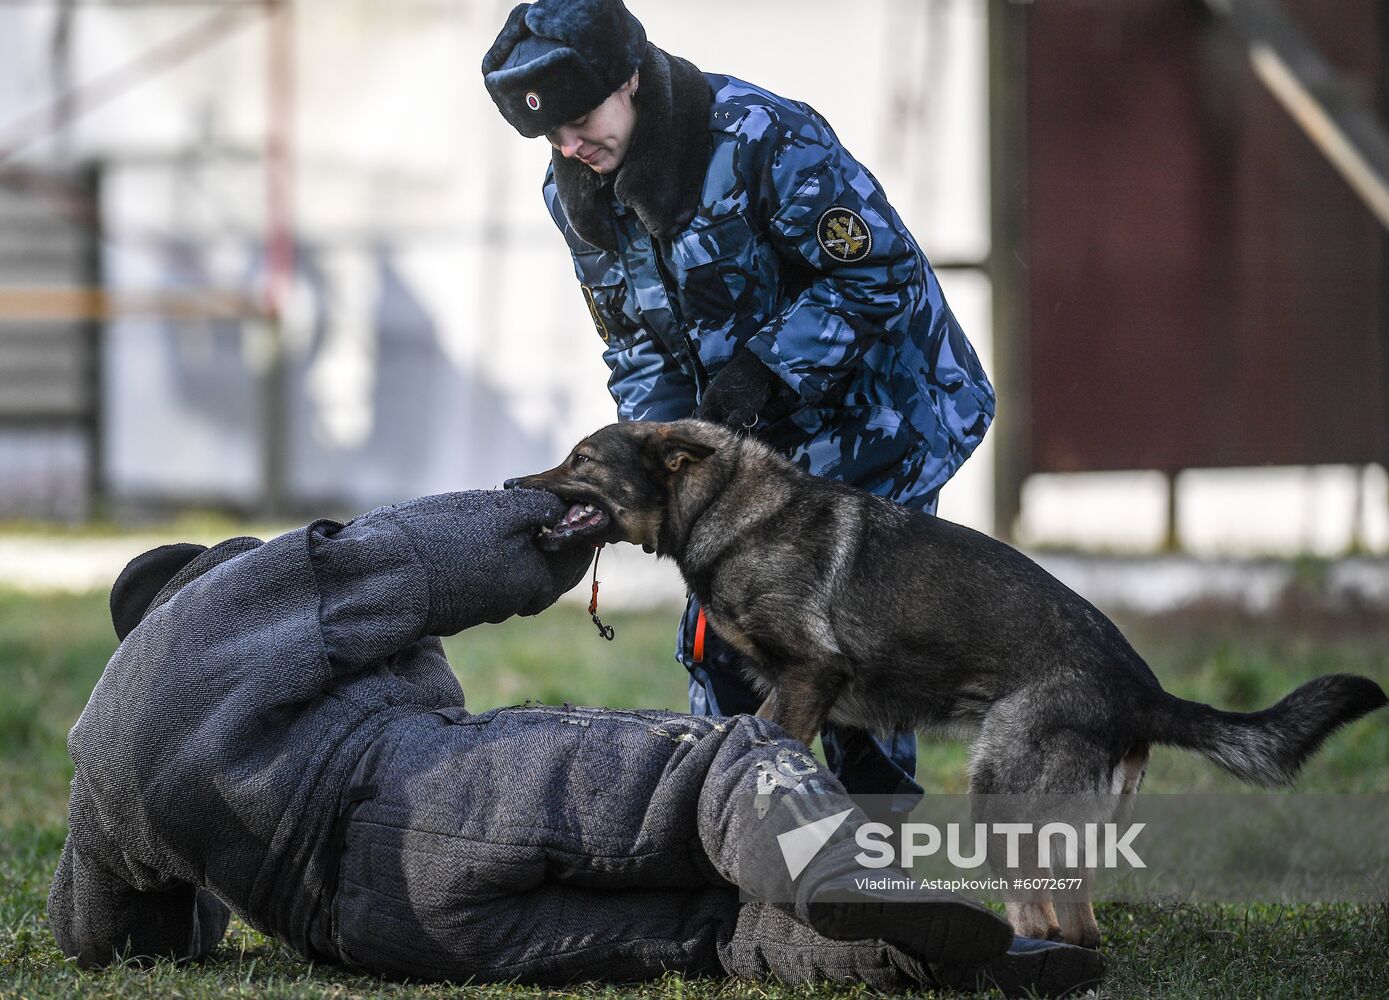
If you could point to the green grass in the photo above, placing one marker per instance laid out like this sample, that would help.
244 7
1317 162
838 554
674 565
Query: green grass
52 650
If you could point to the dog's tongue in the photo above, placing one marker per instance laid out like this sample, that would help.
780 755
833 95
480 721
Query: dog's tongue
581 515
579 519
576 514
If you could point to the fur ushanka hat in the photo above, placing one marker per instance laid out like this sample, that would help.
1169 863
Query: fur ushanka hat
557 60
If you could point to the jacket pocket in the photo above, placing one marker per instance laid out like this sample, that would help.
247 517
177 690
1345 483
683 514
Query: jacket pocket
722 271
604 288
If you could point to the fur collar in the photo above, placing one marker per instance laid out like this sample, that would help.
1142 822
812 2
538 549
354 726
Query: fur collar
663 174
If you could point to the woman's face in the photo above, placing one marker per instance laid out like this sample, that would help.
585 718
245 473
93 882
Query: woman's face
600 138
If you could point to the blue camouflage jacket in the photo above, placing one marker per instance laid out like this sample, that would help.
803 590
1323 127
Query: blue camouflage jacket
790 248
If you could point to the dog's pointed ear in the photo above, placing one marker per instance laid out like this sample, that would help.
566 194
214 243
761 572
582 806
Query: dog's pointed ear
677 450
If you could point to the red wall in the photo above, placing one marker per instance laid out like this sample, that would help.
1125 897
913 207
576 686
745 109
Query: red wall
1205 290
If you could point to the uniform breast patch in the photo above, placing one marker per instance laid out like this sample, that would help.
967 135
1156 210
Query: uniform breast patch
844 235
593 311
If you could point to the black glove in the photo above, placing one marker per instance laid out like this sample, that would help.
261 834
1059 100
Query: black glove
740 393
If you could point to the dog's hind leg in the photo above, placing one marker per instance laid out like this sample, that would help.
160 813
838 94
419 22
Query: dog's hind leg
1031 913
1128 777
1035 916
1077 913
1074 907
1022 772
1075 910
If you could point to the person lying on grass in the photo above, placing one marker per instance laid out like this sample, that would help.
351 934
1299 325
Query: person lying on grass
279 735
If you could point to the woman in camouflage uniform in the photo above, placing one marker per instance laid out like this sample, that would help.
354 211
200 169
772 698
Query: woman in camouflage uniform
740 265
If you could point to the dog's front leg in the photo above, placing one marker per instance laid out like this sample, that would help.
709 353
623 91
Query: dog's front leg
802 700
768 707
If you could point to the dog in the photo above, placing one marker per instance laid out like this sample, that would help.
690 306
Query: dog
854 609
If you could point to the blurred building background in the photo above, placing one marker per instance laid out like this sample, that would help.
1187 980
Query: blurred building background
284 257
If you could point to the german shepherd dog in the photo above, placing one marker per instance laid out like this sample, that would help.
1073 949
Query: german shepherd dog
853 609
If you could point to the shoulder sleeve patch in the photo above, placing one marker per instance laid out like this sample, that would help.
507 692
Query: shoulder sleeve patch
595 313
844 235
726 117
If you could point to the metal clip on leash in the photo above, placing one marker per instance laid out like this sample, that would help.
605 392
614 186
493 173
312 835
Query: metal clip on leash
606 631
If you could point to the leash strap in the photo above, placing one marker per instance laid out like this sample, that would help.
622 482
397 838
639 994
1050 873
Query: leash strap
606 631
699 637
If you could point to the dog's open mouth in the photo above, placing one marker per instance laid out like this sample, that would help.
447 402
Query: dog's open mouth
583 520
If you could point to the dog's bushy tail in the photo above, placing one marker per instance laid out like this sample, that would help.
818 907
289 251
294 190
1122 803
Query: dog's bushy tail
1268 747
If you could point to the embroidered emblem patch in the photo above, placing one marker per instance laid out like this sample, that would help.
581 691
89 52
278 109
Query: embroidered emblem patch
598 323
844 235
532 100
